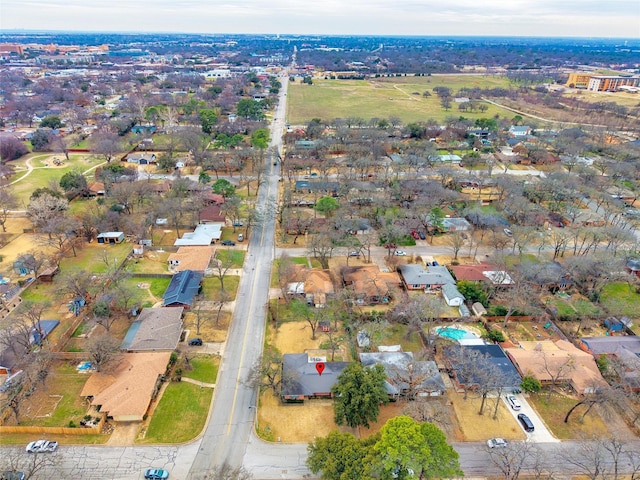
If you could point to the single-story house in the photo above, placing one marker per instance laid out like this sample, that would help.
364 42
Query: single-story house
204 234
626 348
465 377
182 289
520 130
24 265
404 373
370 285
445 158
212 214
312 283
452 296
301 380
141 158
125 391
111 237
97 189
633 266
530 358
416 277
155 329
482 272
191 258
550 275
455 224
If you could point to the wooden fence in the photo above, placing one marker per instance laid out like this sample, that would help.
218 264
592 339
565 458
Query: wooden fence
54 430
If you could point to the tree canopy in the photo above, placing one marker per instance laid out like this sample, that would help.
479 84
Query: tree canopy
223 187
358 394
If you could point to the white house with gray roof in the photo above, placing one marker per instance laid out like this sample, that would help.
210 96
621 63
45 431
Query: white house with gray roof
417 277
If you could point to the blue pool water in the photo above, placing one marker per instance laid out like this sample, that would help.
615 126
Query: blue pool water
455 333
84 366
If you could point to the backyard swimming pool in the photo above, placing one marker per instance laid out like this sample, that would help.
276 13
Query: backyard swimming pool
460 335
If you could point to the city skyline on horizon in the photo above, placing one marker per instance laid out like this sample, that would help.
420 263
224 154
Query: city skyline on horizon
494 18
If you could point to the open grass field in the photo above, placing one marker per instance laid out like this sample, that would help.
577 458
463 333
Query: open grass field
180 415
44 171
384 97
95 257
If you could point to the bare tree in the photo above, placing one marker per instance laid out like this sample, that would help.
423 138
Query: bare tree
557 369
8 202
222 264
590 458
511 459
456 241
102 350
31 464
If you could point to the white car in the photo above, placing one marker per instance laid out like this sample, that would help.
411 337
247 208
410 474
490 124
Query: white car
508 232
497 442
42 446
400 253
513 402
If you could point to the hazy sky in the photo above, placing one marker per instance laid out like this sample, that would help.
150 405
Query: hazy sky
582 18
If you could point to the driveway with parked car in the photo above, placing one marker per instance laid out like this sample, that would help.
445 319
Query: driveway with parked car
517 404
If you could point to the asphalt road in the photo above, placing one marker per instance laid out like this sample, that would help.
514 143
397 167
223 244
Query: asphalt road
234 406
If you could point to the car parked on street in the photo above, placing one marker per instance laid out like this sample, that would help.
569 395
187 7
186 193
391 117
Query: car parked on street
228 243
497 443
400 253
513 402
156 474
42 446
195 342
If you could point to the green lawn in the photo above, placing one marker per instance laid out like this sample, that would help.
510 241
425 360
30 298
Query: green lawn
154 262
94 257
205 369
383 97
42 175
395 334
181 414
211 285
235 256
157 287
620 298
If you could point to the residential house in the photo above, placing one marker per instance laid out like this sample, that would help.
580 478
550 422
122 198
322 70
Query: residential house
445 158
212 214
550 275
154 329
481 272
508 378
314 284
96 189
301 380
203 234
452 296
633 266
141 158
369 284
111 238
520 130
626 349
416 277
47 274
191 258
544 360
455 224
125 391
405 375
182 289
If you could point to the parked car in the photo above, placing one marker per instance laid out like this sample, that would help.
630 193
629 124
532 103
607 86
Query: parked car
238 223
435 264
390 246
415 234
526 422
400 253
228 243
422 235
513 402
42 446
240 237
497 443
195 342
156 474
12 475
354 253
508 232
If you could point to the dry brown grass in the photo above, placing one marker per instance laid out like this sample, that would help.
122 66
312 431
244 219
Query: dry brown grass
476 427
209 330
294 337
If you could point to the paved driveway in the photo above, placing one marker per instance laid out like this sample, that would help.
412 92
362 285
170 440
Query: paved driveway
541 434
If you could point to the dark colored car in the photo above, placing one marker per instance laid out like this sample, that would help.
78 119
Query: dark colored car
195 342
526 422
228 243
422 235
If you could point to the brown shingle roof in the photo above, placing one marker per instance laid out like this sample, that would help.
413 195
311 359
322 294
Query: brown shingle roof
196 258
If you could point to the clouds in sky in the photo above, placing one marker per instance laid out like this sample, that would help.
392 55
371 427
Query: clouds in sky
585 18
